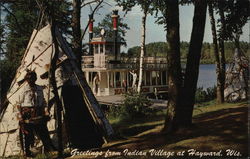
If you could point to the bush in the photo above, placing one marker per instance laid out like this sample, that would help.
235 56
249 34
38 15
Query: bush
202 95
134 106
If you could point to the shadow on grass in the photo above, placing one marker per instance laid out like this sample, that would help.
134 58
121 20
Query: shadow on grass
137 129
130 127
213 131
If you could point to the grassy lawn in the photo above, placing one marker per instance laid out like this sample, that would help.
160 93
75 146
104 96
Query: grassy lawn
217 128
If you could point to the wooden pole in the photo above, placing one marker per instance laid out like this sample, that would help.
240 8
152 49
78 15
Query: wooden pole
58 103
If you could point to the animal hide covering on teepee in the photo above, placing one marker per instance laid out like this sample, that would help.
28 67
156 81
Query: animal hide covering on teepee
85 125
237 77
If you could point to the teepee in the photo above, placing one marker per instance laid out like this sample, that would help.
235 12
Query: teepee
85 124
237 76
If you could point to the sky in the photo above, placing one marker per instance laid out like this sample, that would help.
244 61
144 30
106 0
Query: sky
154 32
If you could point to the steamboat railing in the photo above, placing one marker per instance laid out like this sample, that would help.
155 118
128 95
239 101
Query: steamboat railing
154 64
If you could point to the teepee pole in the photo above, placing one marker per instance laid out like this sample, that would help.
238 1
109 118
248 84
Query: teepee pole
58 103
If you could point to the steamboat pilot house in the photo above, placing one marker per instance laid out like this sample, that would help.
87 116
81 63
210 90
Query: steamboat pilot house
107 73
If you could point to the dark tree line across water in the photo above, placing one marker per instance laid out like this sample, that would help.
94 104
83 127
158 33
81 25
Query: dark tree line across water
207 53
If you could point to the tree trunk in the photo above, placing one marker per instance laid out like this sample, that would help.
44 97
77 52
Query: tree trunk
219 94
237 41
76 29
173 66
222 52
193 61
143 37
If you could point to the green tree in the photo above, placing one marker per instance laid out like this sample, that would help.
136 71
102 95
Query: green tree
170 19
229 28
159 49
134 51
2 32
236 16
181 90
107 25
155 49
184 49
21 18
221 39
171 14
218 60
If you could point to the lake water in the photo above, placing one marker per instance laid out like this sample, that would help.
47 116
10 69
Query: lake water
207 76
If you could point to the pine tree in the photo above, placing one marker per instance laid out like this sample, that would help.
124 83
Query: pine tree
22 16
107 25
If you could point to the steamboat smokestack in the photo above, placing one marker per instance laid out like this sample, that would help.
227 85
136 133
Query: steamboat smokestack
115 17
91 21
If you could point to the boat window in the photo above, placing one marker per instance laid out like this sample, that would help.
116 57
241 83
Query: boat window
130 80
143 79
154 77
101 48
96 49
90 77
111 79
108 49
118 79
164 77
158 78
148 78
